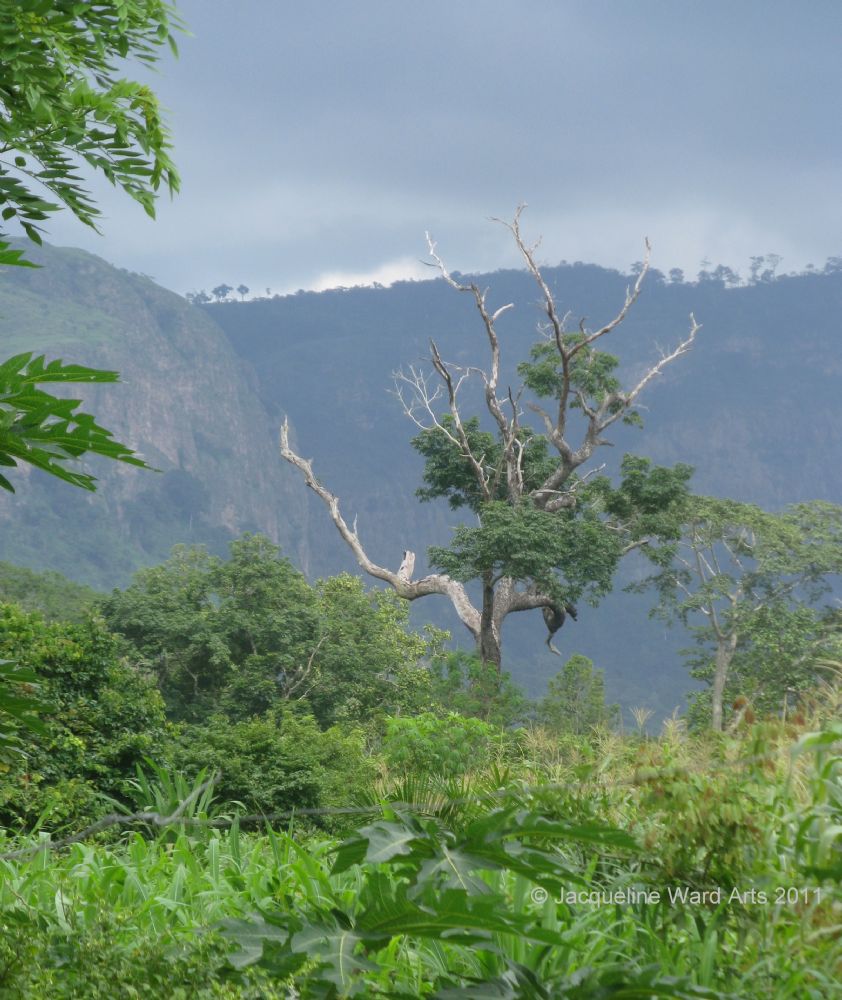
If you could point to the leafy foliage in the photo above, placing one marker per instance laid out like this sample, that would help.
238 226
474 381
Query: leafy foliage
244 634
461 682
575 550
503 898
746 581
101 718
590 376
63 102
575 699
19 708
430 745
275 763
447 474
48 432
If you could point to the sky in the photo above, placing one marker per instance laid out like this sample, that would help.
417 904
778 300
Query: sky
317 143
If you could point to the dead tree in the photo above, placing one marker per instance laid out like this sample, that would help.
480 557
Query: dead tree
509 478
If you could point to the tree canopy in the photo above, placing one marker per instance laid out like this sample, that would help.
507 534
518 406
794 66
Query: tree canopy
747 581
242 635
547 530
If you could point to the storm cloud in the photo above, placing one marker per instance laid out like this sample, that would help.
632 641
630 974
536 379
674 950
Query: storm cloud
317 143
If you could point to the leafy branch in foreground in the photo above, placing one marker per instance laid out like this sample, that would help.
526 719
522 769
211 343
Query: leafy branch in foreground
64 103
47 431
65 106
427 886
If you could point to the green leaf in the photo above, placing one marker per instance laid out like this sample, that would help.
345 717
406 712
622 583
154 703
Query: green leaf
48 431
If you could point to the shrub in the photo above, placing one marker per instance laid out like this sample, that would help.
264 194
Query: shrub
105 718
446 747
276 762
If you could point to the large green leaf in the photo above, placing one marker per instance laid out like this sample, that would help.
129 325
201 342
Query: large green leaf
338 951
47 431
19 706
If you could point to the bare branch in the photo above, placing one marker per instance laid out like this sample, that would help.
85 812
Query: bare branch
618 404
304 674
657 369
464 445
422 397
632 295
491 377
556 324
640 543
115 819
407 566
566 497
435 583
545 417
439 263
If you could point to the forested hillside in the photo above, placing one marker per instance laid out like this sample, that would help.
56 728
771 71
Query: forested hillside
184 402
750 407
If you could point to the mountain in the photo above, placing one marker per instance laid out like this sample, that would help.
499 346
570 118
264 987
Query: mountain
754 407
185 401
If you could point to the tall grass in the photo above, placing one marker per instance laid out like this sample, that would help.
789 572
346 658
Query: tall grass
442 895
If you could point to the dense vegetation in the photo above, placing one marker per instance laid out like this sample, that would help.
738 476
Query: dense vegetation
226 780
539 850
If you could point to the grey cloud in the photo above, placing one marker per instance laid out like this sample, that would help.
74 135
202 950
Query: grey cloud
327 137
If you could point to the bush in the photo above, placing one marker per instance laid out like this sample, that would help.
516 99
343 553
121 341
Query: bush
104 718
463 683
276 762
446 747
98 963
575 699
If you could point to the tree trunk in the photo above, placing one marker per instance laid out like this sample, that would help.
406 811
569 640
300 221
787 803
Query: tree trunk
488 644
488 648
725 648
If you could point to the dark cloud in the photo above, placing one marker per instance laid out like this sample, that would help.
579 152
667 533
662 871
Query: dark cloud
326 138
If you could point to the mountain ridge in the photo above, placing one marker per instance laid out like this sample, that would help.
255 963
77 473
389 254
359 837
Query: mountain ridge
753 406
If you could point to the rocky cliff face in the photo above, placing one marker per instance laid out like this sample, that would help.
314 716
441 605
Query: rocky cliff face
185 401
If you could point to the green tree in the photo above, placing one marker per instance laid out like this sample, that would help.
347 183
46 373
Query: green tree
546 530
781 658
745 581
463 683
575 699
368 662
166 616
243 634
278 761
103 716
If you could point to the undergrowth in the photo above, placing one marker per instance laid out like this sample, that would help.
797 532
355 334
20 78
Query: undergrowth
611 866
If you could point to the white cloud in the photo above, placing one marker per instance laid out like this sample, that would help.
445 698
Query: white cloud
402 269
